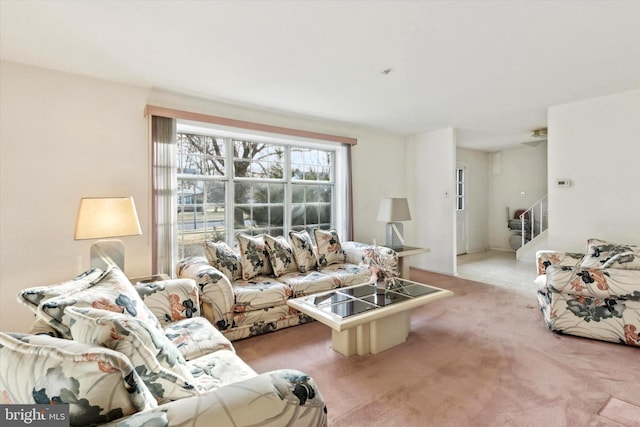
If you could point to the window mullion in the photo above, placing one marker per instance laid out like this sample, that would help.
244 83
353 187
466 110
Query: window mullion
230 191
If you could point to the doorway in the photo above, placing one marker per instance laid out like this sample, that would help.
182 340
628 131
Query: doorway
462 240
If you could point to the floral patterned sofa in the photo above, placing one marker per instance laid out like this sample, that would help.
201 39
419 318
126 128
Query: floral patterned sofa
594 295
126 355
245 294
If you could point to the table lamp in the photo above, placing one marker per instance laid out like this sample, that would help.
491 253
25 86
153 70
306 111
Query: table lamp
105 218
392 211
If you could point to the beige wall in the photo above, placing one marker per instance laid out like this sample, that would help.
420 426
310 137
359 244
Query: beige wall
63 137
596 144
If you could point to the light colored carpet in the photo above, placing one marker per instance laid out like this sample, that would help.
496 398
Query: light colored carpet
481 358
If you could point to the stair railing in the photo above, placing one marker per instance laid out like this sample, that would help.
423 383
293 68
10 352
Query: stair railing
534 220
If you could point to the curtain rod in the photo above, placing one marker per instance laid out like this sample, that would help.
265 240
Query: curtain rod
205 118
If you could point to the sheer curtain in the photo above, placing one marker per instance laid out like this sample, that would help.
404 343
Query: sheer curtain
163 137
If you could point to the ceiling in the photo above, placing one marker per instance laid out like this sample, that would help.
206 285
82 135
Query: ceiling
488 68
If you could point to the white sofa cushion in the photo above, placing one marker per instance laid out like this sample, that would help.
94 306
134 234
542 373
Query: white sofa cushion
280 255
304 252
41 369
254 256
156 359
112 291
196 337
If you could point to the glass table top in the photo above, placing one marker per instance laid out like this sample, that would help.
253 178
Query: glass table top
359 299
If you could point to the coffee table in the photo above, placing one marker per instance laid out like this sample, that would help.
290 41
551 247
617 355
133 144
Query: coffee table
364 319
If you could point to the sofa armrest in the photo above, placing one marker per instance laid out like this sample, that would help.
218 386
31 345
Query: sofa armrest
171 300
273 399
216 293
598 283
358 253
547 258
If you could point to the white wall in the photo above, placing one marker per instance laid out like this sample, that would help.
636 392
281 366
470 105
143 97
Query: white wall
63 137
513 172
430 172
478 164
596 144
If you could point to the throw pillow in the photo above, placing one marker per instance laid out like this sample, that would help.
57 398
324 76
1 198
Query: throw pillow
171 300
280 255
604 254
329 248
33 297
155 358
222 257
254 256
304 251
111 291
39 369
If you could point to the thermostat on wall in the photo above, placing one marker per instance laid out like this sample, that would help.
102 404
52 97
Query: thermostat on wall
563 182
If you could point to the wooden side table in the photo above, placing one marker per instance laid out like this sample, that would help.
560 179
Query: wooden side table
406 251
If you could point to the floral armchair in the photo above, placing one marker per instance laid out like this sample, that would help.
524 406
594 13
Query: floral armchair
595 294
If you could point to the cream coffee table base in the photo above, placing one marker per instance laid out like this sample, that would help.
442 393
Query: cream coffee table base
373 337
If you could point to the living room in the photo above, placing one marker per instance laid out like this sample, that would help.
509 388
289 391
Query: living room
65 134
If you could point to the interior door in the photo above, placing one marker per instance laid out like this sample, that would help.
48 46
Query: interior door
461 211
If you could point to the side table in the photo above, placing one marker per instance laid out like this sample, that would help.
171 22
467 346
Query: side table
149 279
406 251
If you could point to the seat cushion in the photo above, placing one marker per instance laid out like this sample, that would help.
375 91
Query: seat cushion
301 284
348 274
220 368
604 254
260 292
39 369
196 337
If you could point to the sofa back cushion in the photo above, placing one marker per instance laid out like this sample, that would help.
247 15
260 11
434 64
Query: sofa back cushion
100 385
604 254
254 256
280 255
304 252
221 256
171 300
112 291
329 248
155 358
33 297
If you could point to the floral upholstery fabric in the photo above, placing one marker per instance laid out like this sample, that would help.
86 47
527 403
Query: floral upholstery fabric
306 284
603 254
329 248
155 358
347 274
221 256
259 293
171 300
39 369
220 368
304 252
280 255
33 297
598 303
196 337
254 256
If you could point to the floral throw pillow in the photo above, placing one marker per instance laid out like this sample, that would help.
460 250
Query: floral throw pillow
222 257
603 254
254 256
111 291
155 358
304 251
280 255
329 248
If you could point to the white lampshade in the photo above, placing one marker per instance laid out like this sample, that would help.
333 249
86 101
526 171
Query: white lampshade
394 209
102 217
107 217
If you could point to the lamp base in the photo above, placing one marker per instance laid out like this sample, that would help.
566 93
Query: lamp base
395 235
105 253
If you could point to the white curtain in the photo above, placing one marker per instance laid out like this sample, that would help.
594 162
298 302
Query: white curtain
163 136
